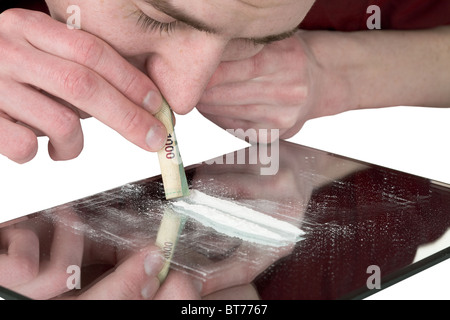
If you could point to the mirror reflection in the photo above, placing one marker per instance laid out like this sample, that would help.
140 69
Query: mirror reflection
360 224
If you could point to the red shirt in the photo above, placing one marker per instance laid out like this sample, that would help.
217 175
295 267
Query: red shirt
349 15
27 4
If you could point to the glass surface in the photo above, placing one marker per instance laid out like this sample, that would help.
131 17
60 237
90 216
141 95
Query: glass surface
360 221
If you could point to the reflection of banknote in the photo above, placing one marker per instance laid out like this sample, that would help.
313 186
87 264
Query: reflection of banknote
171 226
172 170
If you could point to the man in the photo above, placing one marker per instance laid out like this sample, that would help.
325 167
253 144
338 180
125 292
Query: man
230 63
242 63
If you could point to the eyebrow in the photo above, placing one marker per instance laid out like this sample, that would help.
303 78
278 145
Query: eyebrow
172 11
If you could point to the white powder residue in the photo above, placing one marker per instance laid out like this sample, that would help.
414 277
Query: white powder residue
235 220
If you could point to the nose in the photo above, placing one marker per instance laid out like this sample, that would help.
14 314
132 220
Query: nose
182 68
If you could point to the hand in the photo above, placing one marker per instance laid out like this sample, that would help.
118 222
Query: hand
279 88
271 90
35 264
51 76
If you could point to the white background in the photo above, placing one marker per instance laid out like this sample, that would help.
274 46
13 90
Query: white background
413 140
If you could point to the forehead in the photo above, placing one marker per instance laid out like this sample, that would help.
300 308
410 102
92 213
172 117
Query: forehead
246 16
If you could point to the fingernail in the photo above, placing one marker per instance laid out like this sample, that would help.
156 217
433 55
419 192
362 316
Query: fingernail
153 263
198 285
153 102
156 137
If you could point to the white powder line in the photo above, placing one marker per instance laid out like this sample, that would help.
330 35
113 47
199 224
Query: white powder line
235 220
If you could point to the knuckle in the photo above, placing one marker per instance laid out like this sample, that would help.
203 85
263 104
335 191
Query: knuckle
131 121
258 63
291 94
9 53
88 49
27 269
218 75
79 83
130 82
14 17
11 17
66 125
298 94
284 120
207 96
129 289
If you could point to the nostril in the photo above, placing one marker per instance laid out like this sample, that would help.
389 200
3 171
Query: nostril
182 104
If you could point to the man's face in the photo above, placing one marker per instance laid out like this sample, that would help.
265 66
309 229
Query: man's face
180 43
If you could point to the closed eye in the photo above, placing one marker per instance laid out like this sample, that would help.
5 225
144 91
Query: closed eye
151 25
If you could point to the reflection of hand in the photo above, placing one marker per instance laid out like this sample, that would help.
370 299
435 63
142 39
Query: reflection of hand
47 69
31 271
288 190
230 278
300 171
135 277
236 272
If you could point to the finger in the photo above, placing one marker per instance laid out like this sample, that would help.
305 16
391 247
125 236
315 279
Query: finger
244 292
242 70
235 117
21 261
59 123
236 271
135 278
249 131
66 251
274 91
13 221
17 142
243 129
240 93
86 49
179 286
276 58
294 129
253 116
91 93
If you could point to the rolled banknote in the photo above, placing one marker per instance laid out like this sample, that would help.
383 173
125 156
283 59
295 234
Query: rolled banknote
172 169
